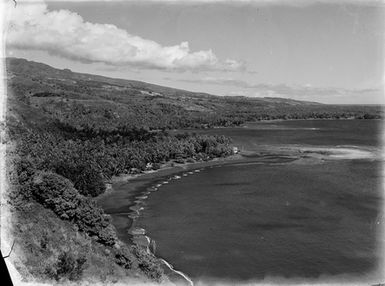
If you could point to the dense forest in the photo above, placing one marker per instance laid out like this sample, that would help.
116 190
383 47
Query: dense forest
71 133
63 169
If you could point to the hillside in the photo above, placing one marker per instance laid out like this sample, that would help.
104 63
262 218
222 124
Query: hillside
80 100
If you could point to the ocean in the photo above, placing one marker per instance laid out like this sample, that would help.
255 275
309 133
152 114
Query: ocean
251 221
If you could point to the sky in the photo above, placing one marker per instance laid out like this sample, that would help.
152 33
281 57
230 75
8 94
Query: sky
325 51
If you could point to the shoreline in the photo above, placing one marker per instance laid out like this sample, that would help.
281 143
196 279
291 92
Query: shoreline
128 193
276 120
132 190
136 189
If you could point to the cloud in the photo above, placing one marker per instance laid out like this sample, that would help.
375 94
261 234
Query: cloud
64 33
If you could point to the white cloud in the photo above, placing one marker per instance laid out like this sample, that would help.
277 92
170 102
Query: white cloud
64 33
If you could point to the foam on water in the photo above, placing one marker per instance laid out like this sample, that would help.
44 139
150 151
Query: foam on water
177 272
342 152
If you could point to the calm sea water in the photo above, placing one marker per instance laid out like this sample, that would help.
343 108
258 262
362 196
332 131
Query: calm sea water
249 221
311 132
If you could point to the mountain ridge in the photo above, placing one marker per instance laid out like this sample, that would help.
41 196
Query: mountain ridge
137 83
89 102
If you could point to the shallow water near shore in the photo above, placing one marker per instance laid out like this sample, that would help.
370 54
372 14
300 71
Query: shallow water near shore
273 215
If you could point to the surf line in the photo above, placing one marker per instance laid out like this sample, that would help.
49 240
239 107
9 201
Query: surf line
188 279
137 233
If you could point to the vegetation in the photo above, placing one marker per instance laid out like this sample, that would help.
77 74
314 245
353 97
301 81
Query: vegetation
67 266
45 244
62 171
58 194
89 162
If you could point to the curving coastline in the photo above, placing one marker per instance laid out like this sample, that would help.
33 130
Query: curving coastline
138 235
138 188
126 197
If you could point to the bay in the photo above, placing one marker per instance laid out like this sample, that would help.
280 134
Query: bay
242 222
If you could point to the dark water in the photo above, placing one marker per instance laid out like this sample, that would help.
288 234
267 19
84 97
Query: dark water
249 221
310 132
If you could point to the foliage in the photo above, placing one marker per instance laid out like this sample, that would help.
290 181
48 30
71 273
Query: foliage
148 263
58 194
67 267
41 237
85 177
124 257
89 162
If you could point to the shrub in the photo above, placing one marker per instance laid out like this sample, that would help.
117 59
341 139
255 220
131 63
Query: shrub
148 263
25 169
107 235
124 257
58 194
85 177
44 240
179 160
67 266
156 166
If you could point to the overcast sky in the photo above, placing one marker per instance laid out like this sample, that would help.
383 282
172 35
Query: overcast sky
322 51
